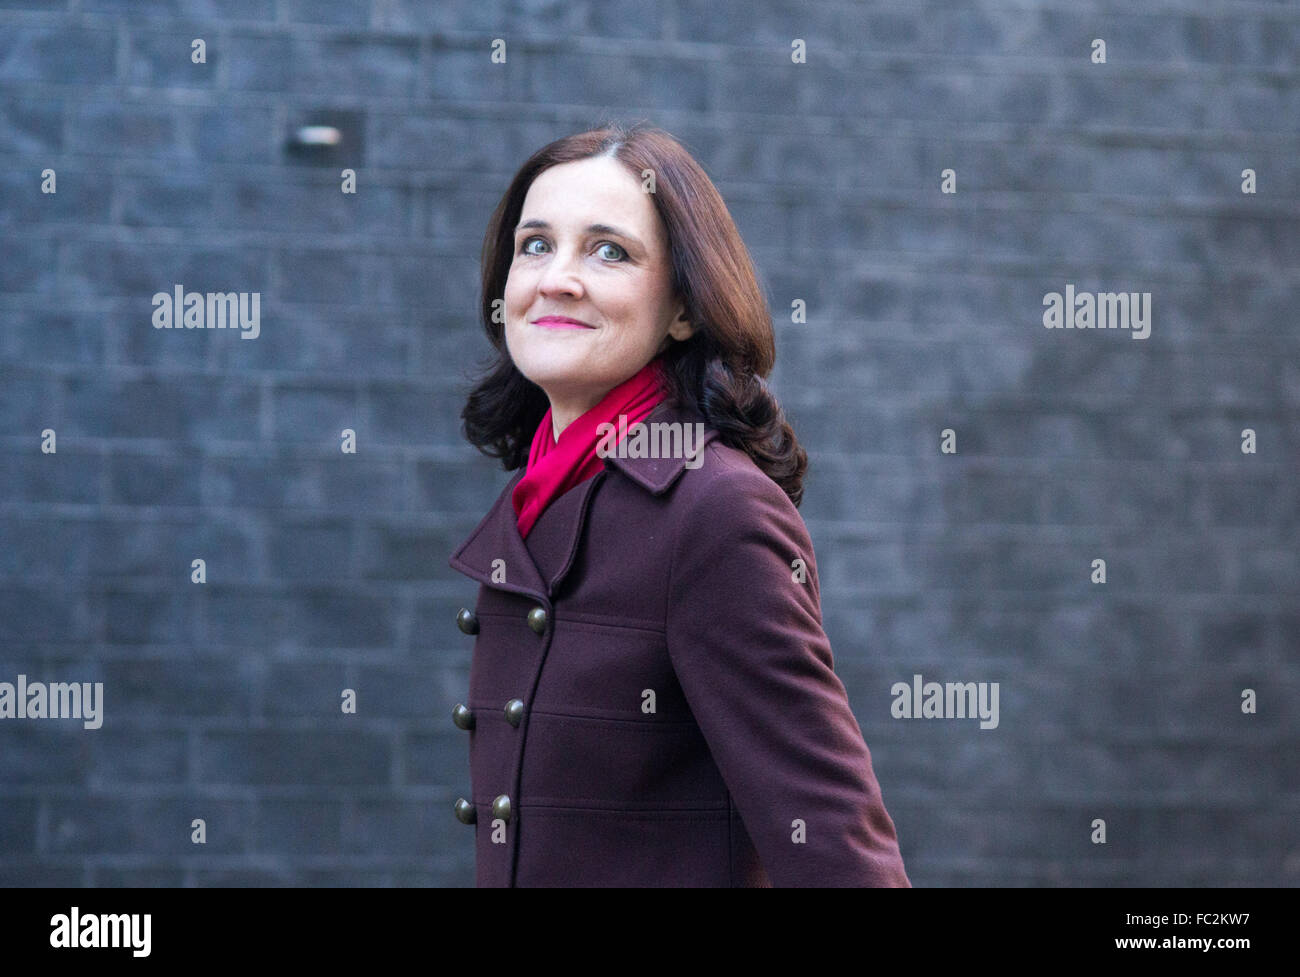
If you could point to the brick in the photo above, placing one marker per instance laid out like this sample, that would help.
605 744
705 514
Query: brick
71 474
166 201
620 18
406 690
298 827
112 877
27 266
178 690
309 689
163 550
126 129
404 552
80 196
466 488
321 276
235 133
29 400
773 25
463 73
36 614
406 414
148 618
164 59
453 15
406 281
356 65
323 340
423 141
30 127
319 414
18 825
319 551
37 549
243 617
315 206
62 338
194 9
343 619
125 756
275 874
402 829
98 824
347 877
260 63
55 54
316 758
301 484
137 272
164 408
152 480
439 759
32 873
334 12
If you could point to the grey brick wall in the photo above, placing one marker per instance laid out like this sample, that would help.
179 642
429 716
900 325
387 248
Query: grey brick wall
326 571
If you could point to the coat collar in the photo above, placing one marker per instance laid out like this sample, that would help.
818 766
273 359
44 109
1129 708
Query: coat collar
538 566
656 475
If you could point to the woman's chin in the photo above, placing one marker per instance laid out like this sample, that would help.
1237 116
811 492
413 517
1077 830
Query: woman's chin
552 369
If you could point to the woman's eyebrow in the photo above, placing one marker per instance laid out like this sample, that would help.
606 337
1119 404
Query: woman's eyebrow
591 229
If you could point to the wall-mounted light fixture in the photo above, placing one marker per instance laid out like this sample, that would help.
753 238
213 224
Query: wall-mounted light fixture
323 136
310 136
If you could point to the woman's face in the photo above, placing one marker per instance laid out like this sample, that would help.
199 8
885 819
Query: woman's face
615 279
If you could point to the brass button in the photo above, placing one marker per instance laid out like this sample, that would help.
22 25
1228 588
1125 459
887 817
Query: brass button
465 811
501 808
462 716
515 712
537 619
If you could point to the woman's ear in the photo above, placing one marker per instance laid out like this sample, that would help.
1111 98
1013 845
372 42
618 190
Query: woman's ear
681 327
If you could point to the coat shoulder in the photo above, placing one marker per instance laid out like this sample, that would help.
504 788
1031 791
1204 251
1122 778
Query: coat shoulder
729 484
730 505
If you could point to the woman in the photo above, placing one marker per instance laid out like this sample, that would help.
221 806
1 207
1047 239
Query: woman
651 699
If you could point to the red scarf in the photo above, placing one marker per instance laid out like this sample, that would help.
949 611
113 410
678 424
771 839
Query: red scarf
555 467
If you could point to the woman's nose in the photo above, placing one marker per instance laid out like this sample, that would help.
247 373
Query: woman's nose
560 274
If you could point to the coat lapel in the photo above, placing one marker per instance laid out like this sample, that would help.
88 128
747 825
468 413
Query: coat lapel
554 540
656 475
537 566
497 538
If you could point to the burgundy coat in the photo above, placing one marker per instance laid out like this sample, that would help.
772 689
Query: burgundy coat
651 696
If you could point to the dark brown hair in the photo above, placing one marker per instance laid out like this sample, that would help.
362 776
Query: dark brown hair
720 369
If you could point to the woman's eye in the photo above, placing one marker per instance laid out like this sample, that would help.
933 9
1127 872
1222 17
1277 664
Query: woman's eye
618 255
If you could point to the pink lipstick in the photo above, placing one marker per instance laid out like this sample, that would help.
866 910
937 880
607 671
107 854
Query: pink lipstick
560 322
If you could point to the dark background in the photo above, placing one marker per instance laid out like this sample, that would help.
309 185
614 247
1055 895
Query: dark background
328 571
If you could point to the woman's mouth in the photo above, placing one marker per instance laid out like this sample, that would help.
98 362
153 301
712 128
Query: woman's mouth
560 322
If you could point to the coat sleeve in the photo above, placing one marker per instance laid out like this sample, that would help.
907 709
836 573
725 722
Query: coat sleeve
747 645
